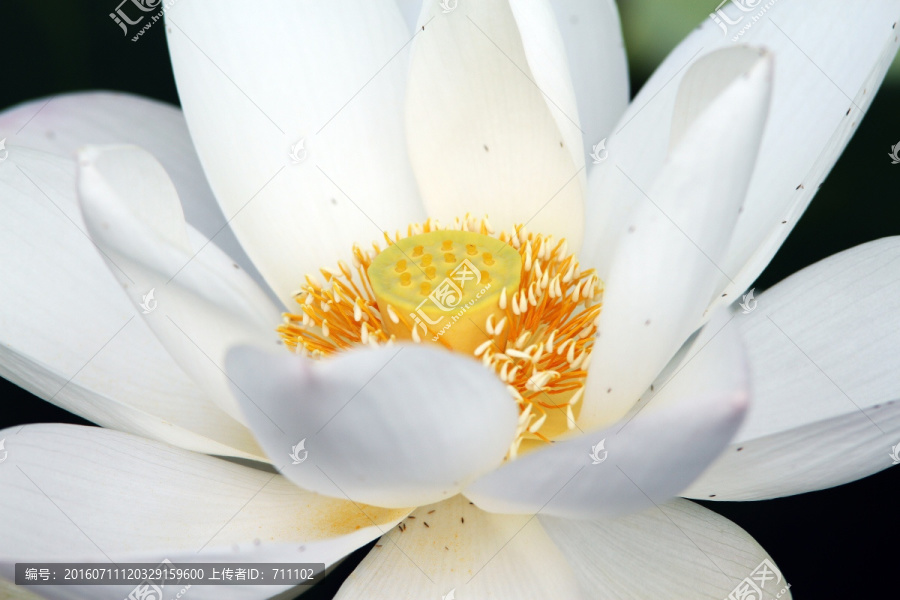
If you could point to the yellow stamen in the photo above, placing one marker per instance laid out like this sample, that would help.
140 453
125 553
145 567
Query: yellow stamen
536 297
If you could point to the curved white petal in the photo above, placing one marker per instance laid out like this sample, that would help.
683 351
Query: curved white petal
645 459
68 335
592 34
546 60
823 352
666 265
322 82
827 100
62 124
201 303
463 552
491 117
75 493
675 550
829 62
397 426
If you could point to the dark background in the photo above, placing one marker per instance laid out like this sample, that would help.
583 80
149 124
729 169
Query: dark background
829 544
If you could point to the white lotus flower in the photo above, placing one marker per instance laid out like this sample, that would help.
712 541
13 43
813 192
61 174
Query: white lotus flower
491 109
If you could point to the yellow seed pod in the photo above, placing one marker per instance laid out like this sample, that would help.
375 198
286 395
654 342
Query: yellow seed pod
453 309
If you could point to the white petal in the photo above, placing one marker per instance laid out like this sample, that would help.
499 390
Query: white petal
466 551
492 121
410 10
676 550
71 337
396 426
646 458
665 267
204 304
546 60
75 493
62 124
823 91
256 83
824 356
820 91
592 34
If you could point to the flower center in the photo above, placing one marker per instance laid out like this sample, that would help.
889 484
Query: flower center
517 301
446 286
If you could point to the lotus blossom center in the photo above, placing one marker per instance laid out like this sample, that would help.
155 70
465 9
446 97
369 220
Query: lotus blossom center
517 301
446 285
